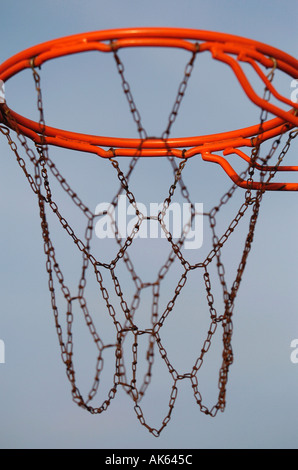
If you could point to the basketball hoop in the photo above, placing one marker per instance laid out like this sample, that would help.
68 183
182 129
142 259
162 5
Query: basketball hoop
226 48
245 143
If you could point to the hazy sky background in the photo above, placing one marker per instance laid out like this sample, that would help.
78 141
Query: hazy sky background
36 409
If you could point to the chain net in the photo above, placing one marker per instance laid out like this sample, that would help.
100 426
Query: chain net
40 184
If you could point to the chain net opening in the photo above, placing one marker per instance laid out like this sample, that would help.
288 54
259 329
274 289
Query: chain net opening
124 315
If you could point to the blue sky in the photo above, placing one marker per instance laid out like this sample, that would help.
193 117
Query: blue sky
36 409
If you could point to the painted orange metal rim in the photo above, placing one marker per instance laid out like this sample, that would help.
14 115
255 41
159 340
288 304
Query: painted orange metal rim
227 48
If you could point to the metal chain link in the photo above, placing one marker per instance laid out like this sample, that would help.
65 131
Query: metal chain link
181 92
126 88
40 185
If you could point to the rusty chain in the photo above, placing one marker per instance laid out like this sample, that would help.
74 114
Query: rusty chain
39 182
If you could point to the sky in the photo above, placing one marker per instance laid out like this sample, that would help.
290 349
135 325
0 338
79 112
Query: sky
83 93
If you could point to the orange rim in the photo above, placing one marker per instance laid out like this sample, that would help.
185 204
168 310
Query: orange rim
224 47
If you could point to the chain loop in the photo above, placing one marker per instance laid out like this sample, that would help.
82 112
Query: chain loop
125 325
